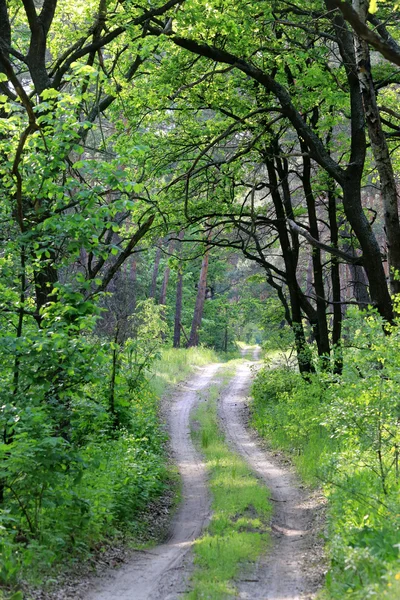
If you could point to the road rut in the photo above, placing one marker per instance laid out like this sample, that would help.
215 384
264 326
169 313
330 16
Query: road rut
158 574
282 574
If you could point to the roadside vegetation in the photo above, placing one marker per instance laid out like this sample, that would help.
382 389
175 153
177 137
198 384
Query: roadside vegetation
70 499
342 432
176 173
238 532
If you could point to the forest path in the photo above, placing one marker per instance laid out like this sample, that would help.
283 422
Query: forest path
292 568
159 574
287 572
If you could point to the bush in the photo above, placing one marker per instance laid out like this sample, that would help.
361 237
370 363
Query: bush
344 432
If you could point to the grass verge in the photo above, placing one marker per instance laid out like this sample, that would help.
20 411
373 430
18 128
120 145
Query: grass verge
239 529
176 364
339 433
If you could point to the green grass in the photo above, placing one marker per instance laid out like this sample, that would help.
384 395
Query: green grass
239 529
175 364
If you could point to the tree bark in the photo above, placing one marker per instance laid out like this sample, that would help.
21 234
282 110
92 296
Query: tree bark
323 333
178 300
167 271
304 358
200 299
153 286
351 182
380 150
134 284
335 279
348 178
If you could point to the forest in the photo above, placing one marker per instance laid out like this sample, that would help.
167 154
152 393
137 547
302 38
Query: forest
186 187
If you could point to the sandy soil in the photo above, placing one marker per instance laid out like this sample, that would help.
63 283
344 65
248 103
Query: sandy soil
161 573
293 567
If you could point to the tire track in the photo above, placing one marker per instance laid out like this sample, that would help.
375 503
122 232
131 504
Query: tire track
159 573
284 574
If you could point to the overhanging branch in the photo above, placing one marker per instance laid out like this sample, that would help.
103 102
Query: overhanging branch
348 258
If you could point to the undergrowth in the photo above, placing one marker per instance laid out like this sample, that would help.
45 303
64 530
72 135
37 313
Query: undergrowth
238 531
175 364
342 432
70 498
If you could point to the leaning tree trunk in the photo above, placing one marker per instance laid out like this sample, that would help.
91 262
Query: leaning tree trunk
200 299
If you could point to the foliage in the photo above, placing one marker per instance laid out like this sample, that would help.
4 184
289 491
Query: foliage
343 431
123 125
70 478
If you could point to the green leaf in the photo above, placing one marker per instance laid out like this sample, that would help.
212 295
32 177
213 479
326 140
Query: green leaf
49 93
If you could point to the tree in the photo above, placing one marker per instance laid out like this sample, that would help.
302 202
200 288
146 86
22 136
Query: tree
200 299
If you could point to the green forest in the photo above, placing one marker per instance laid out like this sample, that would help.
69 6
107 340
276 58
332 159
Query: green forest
189 185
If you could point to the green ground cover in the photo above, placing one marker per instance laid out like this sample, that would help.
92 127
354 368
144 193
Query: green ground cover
70 511
342 433
238 532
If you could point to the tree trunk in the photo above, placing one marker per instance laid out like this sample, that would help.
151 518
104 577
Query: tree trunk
167 271
335 279
380 150
134 284
351 181
153 286
323 334
200 299
178 301
304 358
378 288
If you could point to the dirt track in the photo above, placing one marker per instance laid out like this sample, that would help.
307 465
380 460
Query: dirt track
290 570
162 573
159 574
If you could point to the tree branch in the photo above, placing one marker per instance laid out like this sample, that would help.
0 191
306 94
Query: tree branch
140 233
388 50
348 258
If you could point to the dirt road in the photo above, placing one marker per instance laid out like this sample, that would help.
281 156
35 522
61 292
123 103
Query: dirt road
159 574
162 573
287 572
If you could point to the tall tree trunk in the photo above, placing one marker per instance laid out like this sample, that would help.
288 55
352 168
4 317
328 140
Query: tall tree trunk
358 279
153 285
310 278
167 271
304 358
380 150
134 284
200 299
226 331
371 252
323 334
178 300
335 279
351 181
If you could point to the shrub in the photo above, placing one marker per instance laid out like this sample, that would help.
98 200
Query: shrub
344 432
